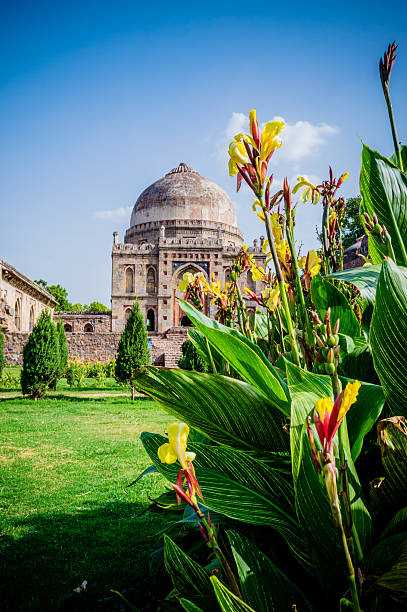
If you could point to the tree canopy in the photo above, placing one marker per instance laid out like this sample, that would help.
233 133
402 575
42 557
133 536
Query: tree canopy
63 303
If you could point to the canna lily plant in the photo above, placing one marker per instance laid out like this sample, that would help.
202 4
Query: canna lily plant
296 470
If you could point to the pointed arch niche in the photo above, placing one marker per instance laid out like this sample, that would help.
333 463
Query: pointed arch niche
17 314
178 313
129 277
32 319
151 281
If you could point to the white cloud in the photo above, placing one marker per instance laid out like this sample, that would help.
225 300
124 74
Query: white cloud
238 122
302 140
115 214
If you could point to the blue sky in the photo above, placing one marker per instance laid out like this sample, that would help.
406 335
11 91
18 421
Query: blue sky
99 99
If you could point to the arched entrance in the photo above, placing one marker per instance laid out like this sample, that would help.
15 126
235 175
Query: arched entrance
179 317
150 320
185 321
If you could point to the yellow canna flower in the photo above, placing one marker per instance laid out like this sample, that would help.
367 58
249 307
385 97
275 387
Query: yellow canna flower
282 250
276 227
324 407
349 397
265 246
344 176
176 447
187 279
238 153
311 263
268 140
310 191
272 296
258 272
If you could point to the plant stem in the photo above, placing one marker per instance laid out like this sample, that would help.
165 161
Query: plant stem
393 126
220 556
330 483
281 284
309 339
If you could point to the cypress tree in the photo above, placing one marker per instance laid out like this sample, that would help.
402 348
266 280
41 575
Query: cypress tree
40 357
2 358
132 352
63 355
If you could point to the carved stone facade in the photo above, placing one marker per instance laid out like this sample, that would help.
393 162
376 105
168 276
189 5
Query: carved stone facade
21 300
181 223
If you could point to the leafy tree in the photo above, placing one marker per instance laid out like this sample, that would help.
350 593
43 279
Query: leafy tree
2 358
59 293
96 306
191 359
352 228
41 358
63 355
132 352
61 296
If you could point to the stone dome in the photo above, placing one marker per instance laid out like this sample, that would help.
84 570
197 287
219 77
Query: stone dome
183 194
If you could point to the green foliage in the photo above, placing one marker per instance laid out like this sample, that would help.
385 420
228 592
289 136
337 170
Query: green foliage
384 192
96 307
41 357
63 303
352 227
132 352
388 336
191 359
2 358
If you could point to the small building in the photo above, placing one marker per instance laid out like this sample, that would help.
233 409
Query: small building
21 300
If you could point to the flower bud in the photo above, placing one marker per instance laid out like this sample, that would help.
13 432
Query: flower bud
336 327
327 316
330 356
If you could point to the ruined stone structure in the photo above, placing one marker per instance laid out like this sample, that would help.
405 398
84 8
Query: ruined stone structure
181 223
21 300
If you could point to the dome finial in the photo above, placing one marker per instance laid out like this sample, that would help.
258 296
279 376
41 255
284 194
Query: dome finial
182 167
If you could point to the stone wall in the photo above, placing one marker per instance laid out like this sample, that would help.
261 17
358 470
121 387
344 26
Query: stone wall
166 349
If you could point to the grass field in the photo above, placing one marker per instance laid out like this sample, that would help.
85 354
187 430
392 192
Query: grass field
65 513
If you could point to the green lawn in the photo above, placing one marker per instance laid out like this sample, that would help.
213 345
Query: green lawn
65 514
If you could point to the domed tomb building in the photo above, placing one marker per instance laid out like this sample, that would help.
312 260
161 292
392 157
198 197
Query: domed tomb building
181 223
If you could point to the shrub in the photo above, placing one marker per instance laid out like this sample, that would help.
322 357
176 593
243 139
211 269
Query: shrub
191 359
2 358
132 352
41 358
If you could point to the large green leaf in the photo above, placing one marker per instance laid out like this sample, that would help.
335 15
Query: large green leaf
240 487
188 577
391 494
227 600
244 356
363 414
383 188
325 295
388 336
358 365
395 159
364 278
226 410
311 498
264 586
